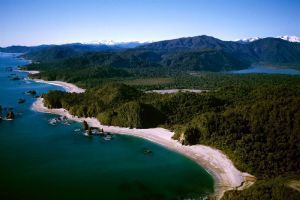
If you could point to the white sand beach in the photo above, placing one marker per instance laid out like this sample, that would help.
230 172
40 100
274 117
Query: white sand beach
30 72
67 86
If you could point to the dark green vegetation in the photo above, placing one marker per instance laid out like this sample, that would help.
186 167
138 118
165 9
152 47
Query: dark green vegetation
44 53
264 122
54 52
268 51
84 72
273 189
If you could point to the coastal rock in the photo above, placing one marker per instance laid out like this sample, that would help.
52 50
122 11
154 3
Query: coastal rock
15 78
85 125
20 101
31 92
10 115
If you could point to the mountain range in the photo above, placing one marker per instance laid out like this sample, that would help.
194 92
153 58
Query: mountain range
197 52
200 53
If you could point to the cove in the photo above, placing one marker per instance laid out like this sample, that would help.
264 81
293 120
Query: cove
44 161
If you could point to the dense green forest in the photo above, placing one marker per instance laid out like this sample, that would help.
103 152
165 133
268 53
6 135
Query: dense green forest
272 189
91 70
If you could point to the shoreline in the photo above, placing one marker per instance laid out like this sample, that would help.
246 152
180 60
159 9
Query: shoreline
214 161
69 87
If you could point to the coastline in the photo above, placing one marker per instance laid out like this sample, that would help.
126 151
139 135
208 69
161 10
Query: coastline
225 174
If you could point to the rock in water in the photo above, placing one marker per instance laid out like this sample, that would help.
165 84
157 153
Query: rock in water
147 151
31 92
10 115
21 101
85 125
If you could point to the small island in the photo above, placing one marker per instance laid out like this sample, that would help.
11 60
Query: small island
31 92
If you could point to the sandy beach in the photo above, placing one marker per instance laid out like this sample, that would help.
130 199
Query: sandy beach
226 176
29 72
67 86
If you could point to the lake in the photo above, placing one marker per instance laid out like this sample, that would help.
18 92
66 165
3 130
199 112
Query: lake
267 71
44 161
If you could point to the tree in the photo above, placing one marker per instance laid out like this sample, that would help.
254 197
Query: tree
191 136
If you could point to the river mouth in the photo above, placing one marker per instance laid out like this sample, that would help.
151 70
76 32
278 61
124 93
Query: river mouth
44 161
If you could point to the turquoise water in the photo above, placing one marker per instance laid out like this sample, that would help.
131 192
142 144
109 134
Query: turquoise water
43 161
267 71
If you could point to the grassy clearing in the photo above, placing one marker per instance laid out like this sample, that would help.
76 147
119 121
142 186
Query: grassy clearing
149 81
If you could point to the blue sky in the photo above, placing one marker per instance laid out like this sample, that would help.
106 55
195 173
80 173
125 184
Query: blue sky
32 22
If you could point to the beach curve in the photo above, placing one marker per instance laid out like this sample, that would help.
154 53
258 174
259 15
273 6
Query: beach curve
227 176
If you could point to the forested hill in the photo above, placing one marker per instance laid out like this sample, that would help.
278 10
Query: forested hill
60 52
268 51
46 53
15 49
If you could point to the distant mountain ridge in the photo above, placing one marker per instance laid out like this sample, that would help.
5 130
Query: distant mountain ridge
131 44
265 51
58 52
290 38
44 53
200 53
